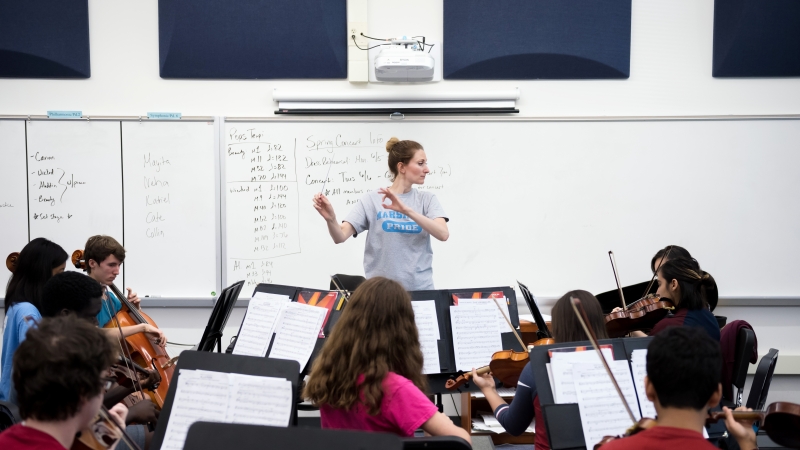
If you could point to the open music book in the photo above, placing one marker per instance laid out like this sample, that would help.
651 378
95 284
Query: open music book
296 327
203 395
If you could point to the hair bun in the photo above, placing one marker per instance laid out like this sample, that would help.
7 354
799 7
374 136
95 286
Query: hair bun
390 144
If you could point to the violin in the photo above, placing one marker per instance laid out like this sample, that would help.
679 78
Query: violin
781 421
102 433
138 347
642 314
11 261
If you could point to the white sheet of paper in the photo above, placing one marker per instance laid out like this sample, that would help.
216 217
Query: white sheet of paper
428 327
529 317
258 400
262 312
201 395
562 377
296 332
475 335
639 371
602 412
502 325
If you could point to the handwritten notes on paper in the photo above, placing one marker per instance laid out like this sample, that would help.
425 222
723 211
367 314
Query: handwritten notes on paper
228 398
639 370
602 411
428 327
259 323
475 333
296 332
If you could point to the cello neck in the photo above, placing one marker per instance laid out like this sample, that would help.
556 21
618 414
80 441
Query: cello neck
124 300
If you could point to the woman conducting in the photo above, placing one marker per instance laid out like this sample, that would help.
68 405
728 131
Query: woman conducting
400 221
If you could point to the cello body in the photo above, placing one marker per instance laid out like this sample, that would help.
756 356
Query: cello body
142 351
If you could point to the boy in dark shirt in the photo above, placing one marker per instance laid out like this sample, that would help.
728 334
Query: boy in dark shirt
683 381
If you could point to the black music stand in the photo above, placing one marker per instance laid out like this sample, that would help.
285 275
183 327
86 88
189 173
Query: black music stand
212 335
542 332
225 363
213 436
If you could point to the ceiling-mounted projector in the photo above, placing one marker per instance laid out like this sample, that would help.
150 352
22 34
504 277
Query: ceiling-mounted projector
404 59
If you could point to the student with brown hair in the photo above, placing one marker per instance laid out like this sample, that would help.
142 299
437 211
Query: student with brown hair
104 256
399 240
59 376
368 375
517 416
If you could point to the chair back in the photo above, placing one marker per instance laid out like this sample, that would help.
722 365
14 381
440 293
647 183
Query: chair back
436 443
745 344
762 379
9 415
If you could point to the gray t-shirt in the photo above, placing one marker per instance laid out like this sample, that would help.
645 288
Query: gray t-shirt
397 247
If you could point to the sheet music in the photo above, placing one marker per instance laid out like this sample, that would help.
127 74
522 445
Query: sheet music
258 400
502 325
475 336
602 412
561 363
201 395
639 371
296 332
258 324
428 327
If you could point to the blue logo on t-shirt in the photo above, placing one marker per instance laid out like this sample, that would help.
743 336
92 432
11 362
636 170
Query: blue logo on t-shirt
393 226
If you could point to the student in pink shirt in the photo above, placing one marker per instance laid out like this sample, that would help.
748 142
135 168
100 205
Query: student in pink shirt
369 374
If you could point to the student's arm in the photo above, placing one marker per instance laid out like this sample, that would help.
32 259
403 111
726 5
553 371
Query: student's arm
339 232
156 335
115 395
435 227
514 418
741 430
441 425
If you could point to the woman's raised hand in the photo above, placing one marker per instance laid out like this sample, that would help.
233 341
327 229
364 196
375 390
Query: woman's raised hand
396 204
323 207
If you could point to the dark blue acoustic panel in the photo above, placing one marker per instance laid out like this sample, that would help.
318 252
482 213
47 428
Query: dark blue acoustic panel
44 39
252 39
536 39
756 38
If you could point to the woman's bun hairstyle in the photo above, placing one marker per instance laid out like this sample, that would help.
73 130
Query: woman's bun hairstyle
390 144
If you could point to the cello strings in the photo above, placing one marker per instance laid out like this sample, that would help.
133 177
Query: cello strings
124 349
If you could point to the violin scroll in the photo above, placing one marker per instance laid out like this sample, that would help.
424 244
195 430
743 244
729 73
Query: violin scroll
77 260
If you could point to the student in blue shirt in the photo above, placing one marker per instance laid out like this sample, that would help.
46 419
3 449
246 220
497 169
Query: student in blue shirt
38 262
104 256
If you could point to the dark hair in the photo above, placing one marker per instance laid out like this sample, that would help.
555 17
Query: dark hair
694 283
709 290
69 290
685 365
59 365
34 267
101 247
400 152
567 327
376 334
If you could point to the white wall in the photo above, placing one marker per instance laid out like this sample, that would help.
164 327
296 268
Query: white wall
671 50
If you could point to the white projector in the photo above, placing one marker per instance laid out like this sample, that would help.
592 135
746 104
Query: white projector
399 63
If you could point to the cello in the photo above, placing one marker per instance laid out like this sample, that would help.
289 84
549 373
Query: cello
139 348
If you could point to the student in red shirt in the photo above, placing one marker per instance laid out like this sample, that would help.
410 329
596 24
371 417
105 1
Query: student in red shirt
59 377
368 375
683 374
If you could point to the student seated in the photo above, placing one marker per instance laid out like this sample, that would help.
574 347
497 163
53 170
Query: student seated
368 375
516 418
104 257
683 374
59 375
37 262
72 293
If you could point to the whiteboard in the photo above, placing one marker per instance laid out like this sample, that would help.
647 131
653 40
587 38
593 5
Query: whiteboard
75 181
13 195
542 202
170 208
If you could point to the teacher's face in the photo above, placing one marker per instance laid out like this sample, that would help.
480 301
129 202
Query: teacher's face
416 169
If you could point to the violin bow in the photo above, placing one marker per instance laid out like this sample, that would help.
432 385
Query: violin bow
502 313
655 272
576 304
106 415
616 278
